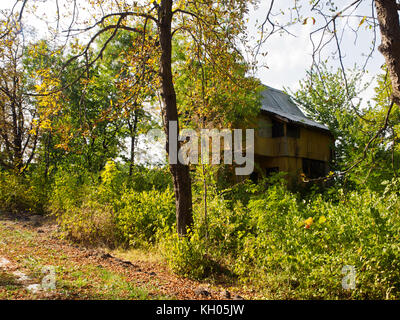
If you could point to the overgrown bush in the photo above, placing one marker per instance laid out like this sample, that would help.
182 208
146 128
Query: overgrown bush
287 244
91 223
110 212
143 216
69 191
297 248
189 256
146 179
19 194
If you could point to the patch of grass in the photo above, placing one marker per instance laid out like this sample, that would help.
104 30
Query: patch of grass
74 280
117 286
10 288
95 282
6 231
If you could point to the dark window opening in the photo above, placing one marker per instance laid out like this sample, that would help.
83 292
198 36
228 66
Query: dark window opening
277 129
292 131
271 171
313 168
254 177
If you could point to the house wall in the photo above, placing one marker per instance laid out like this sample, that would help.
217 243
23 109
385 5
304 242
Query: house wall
287 153
312 144
292 165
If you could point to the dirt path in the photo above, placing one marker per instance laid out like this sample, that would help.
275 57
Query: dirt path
36 264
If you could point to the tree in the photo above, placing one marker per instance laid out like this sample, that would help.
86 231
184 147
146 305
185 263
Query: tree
324 98
212 93
157 23
388 18
18 112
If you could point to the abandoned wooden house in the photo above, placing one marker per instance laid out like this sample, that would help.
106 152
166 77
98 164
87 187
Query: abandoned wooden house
286 140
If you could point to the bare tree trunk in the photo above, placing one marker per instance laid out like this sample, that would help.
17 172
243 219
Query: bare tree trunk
180 172
388 19
17 139
205 200
132 131
47 156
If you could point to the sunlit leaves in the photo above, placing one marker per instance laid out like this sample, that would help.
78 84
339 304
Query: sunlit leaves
362 21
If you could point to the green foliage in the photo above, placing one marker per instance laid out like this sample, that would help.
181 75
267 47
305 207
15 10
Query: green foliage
143 216
214 97
106 210
325 99
20 194
296 248
111 186
91 223
69 189
188 256
81 210
144 178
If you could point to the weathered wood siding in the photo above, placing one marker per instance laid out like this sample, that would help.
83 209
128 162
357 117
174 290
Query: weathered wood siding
285 152
312 144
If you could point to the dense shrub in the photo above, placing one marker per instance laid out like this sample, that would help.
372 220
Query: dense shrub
69 191
19 194
297 248
289 245
189 256
109 212
150 178
142 216
91 223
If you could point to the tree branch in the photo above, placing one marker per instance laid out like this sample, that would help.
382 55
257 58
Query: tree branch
120 14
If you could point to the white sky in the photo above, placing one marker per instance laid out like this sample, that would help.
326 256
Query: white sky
288 56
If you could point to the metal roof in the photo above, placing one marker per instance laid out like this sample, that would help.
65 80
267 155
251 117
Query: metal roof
279 103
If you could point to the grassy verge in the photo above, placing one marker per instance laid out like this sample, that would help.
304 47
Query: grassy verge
76 276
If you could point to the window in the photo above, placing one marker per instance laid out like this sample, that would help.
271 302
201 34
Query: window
277 129
313 168
292 131
264 129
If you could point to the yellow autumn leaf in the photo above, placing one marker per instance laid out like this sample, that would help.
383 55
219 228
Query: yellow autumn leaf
362 21
309 221
33 132
321 219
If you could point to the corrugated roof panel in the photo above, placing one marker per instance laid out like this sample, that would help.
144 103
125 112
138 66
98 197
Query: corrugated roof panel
278 102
